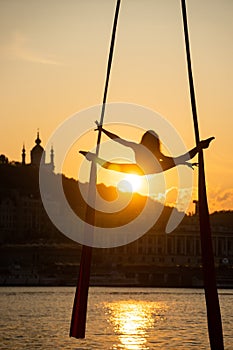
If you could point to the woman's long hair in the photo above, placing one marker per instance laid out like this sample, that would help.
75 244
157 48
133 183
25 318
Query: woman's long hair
151 141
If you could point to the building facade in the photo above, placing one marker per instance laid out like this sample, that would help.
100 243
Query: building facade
38 155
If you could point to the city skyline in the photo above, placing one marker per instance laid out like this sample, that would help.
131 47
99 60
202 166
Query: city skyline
53 62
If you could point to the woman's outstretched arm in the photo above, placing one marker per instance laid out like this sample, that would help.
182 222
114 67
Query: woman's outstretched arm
116 138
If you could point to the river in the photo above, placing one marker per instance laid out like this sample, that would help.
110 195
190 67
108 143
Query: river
118 318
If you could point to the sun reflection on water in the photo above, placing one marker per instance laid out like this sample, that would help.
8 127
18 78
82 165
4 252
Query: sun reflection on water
133 320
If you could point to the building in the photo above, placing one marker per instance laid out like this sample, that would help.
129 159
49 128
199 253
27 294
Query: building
21 209
38 156
174 259
180 248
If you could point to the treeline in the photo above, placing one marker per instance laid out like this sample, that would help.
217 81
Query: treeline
20 202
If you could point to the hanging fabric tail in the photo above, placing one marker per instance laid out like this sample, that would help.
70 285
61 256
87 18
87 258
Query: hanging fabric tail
209 277
78 320
79 314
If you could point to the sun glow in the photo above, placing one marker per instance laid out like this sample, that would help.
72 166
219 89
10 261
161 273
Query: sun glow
130 183
133 321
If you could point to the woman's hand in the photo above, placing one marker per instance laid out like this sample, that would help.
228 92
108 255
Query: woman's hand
99 127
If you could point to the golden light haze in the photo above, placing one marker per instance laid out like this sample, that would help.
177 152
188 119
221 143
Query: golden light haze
53 57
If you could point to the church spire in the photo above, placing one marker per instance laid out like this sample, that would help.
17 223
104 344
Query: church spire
37 153
23 155
52 157
38 140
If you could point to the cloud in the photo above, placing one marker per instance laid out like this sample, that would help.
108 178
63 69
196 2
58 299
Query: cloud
220 199
19 48
225 196
179 198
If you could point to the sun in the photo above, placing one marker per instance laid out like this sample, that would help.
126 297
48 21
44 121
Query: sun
130 183
135 181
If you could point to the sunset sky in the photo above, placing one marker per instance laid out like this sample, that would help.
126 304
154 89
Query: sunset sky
53 56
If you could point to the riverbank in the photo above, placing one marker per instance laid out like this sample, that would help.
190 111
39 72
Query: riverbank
58 265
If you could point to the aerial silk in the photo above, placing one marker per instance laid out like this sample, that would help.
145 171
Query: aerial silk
79 314
209 277
78 321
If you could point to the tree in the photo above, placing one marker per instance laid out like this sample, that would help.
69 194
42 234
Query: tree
3 159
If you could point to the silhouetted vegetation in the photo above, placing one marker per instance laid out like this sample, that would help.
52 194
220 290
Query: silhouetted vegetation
19 189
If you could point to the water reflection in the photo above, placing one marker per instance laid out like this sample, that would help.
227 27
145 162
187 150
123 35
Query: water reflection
133 320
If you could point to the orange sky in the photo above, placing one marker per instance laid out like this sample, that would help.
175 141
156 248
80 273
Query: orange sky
53 57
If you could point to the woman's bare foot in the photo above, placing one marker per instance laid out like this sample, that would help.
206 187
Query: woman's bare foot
88 155
84 153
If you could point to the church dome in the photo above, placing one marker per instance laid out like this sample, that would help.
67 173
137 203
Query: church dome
37 152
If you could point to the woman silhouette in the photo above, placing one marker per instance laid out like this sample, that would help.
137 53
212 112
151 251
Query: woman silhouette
148 156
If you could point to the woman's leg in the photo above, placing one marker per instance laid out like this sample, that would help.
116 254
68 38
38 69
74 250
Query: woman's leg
128 168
